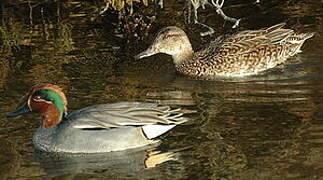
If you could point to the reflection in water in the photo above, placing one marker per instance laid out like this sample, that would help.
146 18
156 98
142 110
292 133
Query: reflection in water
267 126
9 159
121 163
4 68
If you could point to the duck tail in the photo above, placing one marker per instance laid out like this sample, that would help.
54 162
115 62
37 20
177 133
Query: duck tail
300 38
171 119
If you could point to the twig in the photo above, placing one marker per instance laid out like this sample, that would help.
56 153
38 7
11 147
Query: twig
30 13
218 4
105 8
160 3
196 4
218 7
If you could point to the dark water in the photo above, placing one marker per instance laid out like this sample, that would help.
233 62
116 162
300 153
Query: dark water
265 127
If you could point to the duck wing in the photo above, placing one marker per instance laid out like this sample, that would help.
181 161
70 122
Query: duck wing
122 114
246 41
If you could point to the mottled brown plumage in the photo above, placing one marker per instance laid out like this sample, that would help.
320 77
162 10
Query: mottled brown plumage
241 54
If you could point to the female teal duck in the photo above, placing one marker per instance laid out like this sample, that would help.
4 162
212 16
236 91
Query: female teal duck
241 54
95 129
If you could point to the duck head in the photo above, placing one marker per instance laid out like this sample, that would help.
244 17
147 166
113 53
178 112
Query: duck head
47 100
172 41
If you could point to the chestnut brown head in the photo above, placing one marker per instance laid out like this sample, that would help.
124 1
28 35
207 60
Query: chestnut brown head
47 100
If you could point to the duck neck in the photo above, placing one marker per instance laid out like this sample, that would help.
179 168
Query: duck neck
183 56
51 115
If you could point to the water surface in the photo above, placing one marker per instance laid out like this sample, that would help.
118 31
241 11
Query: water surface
268 126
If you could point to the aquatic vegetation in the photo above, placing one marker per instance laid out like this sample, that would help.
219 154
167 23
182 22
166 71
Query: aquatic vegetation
4 70
122 4
10 39
48 72
10 36
127 21
64 37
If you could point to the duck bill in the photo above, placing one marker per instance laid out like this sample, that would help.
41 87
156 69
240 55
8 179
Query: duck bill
148 52
23 109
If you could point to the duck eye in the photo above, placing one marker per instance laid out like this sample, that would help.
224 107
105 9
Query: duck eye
37 97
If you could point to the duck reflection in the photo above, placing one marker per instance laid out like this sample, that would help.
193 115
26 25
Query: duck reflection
113 164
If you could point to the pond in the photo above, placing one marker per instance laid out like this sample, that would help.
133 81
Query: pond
268 126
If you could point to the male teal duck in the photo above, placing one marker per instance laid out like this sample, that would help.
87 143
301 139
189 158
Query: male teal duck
95 129
241 54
